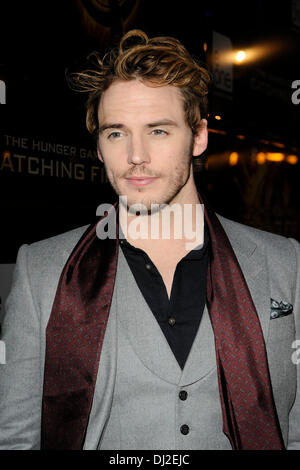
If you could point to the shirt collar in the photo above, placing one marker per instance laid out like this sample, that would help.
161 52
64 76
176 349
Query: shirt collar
196 253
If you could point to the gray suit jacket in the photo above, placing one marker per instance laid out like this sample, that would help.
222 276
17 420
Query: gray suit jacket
270 264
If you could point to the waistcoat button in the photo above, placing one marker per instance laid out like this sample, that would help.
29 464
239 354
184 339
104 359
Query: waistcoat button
171 321
184 429
183 395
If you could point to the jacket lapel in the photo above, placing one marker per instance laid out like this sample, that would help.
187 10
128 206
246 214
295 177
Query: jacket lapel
253 264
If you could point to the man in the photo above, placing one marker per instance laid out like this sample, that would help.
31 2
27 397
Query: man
158 341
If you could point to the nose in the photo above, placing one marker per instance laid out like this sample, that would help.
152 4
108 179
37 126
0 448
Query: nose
137 151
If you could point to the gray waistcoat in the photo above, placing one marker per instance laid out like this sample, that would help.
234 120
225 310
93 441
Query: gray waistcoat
136 402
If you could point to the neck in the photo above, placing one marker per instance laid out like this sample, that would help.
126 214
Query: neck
178 224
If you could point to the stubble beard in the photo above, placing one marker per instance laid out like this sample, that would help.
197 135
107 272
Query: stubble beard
174 186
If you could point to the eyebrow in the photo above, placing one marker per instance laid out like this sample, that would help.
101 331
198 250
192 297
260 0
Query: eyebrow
105 126
162 122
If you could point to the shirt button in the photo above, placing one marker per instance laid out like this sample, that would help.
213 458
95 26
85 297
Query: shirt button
148 266
171 321
184 429
183 395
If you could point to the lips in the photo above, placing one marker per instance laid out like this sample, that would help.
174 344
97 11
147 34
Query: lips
140 180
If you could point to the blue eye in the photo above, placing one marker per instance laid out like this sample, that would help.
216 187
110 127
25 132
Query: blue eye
114 135
159 132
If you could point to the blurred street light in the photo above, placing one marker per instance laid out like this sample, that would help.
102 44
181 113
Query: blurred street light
292 159
275 156
253 53
261 158
240 57
233 158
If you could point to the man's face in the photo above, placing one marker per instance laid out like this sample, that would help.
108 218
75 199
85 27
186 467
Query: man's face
146 144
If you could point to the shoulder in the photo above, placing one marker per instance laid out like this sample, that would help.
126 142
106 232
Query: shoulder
243 234
64 240
55 248
281 253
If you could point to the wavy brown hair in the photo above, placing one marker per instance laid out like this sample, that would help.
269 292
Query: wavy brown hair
158 61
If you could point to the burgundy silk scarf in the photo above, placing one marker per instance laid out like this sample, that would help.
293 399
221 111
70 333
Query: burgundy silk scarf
76 328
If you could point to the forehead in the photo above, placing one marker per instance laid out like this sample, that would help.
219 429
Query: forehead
134 99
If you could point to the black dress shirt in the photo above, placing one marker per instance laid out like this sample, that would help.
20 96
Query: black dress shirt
179 317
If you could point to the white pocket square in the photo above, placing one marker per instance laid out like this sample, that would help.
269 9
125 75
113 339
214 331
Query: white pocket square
280 309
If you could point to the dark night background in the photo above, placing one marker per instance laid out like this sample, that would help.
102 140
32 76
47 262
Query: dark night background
39 40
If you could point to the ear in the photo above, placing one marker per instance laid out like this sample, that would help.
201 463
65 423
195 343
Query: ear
200 138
